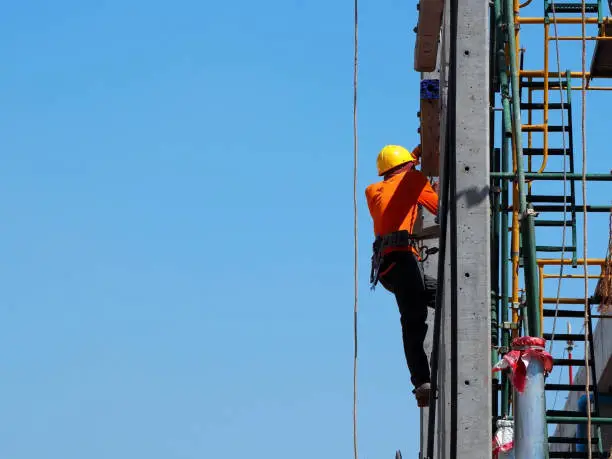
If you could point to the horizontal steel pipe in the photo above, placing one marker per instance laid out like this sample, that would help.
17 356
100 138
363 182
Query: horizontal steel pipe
572 420
553 176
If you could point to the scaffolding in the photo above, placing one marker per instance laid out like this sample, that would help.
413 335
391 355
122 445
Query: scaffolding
526 155
524 214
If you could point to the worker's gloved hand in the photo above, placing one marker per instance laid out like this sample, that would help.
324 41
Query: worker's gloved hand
416 152
436 187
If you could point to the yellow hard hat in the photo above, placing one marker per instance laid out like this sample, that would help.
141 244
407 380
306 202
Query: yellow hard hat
392 156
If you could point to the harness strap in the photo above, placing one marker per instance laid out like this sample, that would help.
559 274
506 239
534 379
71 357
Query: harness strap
396 239
389 268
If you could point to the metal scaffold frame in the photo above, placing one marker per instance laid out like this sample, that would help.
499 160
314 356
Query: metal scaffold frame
507 287
519 308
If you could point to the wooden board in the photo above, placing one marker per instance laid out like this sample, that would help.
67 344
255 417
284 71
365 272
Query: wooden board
428 35
430 128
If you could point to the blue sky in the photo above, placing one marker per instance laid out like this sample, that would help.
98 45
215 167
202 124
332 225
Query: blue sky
177 229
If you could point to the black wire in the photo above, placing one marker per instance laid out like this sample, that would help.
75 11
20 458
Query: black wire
448 184
435 352
449 187
452 140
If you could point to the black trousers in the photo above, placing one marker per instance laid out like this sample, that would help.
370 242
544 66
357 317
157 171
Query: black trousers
401 274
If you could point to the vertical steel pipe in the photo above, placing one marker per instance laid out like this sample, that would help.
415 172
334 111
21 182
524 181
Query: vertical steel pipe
531 441
530 427
527 219
505 165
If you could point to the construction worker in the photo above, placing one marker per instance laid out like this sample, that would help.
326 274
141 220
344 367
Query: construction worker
396 262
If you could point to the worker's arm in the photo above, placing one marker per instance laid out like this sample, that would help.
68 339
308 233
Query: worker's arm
416 152
369 194
429 198
370 198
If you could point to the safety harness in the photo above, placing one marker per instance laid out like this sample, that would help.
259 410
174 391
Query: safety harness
396 239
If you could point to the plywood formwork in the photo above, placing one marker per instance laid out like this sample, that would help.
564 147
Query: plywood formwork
428 35
430 124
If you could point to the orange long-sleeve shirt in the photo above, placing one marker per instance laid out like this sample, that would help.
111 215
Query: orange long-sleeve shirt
393 202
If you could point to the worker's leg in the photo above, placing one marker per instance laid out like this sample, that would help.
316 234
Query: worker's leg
407 283
384 276
431 283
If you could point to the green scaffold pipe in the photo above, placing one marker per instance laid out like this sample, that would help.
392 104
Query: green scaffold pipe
526 215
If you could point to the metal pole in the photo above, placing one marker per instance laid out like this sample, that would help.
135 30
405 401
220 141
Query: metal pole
527 219
532 286
495 162
555 176
495 298
574 420
530 434
505 165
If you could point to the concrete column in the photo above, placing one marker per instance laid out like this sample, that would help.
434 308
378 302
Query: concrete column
474 429
473 233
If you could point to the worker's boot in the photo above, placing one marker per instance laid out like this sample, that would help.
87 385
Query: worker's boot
422 395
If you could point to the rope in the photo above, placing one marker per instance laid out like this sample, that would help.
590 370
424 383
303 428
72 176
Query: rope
444 211
585 235
558 55
355 268
440 296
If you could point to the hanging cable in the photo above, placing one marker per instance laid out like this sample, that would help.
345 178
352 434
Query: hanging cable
435 352
356 241
452 139
585 237
449 190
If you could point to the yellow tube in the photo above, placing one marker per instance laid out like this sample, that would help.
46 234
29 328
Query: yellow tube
515 245
515 238
589 88
541 20
541 73
571 276
593 88
517 41
541 301
577 38
563 300
559 262
533 127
